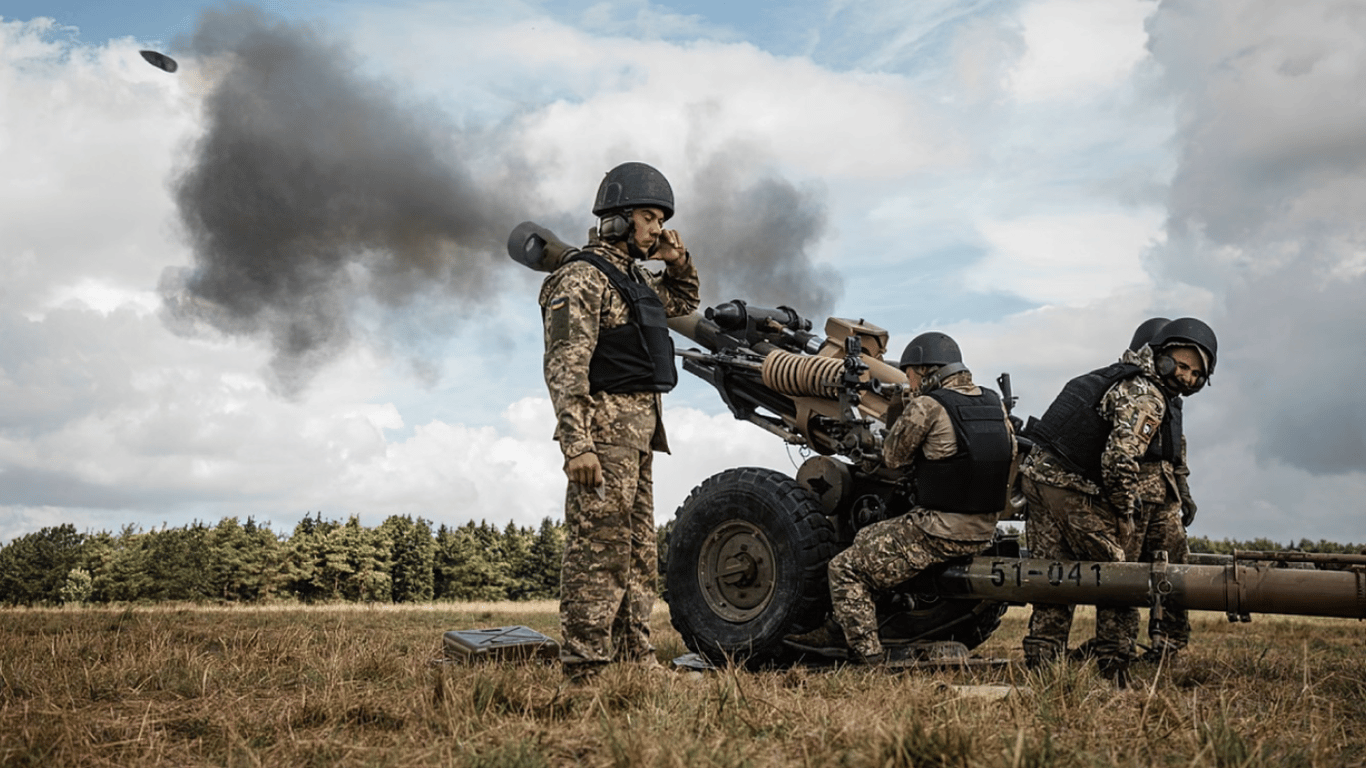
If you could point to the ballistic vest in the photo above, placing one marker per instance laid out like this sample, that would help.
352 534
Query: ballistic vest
638 355
974 480
1166 446
1072 428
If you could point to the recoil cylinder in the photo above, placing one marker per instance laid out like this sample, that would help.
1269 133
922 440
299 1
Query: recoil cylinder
802 375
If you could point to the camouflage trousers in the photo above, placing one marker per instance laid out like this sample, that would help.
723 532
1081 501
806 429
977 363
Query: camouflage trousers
607 583
1164 532
1068 525
882 556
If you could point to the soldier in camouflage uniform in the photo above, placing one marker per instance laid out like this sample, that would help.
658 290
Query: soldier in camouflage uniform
958 446
608 358
1168 506
1085 483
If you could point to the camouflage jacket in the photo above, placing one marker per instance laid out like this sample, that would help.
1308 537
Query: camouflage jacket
924 424
584 419
1134 407
1161 482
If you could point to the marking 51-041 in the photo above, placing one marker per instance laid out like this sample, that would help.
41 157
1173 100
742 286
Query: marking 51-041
1058 572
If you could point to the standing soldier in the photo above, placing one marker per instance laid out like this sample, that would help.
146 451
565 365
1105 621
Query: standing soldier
958 443
608 358
1083 480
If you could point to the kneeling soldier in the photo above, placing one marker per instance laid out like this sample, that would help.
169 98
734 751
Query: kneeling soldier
959 446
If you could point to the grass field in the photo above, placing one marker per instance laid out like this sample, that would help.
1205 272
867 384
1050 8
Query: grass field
354 686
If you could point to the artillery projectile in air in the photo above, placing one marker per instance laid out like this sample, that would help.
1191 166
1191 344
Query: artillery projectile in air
160 60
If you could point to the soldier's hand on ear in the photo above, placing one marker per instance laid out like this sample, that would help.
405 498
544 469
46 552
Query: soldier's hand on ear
671 249
584 469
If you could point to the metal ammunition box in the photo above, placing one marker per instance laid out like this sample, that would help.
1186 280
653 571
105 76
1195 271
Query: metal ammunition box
500 643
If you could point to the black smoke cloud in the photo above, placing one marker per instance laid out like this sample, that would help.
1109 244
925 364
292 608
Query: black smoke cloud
1266 214
317 192
756 232
313 186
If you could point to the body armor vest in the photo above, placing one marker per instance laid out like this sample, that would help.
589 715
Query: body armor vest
1166 446
638 355
1072 428
974 480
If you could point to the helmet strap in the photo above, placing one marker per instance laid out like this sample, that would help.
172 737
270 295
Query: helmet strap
936 377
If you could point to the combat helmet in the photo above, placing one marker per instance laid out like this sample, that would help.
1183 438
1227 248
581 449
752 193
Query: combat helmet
1186 332
634 185
931 348
1145 332
935 349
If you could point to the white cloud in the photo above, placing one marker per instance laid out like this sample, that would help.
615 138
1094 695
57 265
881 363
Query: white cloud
1068 259
87 138
1075 46
106 417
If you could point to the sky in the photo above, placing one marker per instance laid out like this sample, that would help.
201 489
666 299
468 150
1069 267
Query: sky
274 282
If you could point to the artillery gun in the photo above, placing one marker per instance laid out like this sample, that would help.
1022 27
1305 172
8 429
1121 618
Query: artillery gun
747 556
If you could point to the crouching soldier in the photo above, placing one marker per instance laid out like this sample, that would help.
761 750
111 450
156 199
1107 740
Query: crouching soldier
959 446
1083 481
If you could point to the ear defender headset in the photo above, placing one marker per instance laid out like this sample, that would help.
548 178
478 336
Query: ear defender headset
1166 368
1185 332
615 226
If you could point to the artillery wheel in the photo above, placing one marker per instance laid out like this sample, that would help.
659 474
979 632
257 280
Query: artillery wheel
746 566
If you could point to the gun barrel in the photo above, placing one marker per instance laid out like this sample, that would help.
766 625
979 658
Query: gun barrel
1236 589
696 327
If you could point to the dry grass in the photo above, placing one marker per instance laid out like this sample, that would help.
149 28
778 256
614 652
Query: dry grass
349 686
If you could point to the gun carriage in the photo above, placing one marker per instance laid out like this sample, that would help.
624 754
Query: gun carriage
747 556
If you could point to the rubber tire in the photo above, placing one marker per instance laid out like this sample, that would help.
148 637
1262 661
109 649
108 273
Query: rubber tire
771 512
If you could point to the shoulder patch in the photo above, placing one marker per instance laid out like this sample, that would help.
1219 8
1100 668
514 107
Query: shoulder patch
559 318
1147 427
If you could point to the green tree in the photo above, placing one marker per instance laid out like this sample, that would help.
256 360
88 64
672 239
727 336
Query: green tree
540 574
517 561
662 534
33 567
122 574
412 554
178 563
78 587
304 561
544 560
244 561
332 561
468 564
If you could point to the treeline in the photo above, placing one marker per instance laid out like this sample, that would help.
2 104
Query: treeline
1226 546
402 560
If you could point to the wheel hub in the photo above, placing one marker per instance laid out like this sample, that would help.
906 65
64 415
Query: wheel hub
735 568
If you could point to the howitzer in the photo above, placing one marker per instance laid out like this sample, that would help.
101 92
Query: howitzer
747 555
